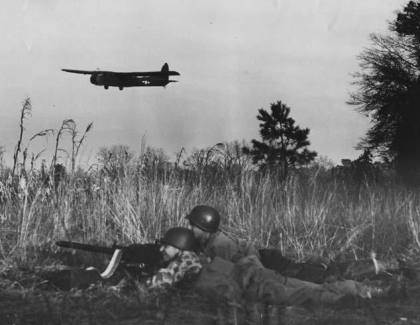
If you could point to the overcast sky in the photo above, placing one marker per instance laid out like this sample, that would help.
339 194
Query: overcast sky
234 57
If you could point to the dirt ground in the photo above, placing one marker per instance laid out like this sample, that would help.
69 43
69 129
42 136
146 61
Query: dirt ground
27 298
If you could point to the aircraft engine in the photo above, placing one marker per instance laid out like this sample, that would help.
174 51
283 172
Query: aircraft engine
97 79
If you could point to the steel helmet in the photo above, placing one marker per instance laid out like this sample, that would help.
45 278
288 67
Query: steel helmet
204 217
181 238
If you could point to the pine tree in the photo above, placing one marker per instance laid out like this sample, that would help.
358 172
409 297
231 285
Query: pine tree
284 145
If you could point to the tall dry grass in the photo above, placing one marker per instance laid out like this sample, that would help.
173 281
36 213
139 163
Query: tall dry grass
309 214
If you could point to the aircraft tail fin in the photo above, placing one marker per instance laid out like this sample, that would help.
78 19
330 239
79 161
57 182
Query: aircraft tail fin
166 72
165 68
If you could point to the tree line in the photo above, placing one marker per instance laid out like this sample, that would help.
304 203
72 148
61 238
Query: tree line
387 91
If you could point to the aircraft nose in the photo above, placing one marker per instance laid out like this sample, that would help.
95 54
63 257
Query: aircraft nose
93 79
97 79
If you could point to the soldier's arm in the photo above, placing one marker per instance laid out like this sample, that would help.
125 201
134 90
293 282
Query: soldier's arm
175 272
163 278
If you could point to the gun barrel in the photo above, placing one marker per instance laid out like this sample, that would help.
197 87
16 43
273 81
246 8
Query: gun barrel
87 247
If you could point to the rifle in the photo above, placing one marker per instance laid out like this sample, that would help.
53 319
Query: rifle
135 258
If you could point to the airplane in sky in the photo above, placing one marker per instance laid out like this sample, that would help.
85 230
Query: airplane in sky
129 79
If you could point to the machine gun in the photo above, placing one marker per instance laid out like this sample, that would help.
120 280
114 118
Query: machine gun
136 259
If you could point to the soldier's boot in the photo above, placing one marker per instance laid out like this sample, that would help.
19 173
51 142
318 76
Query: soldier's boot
253 314
272 315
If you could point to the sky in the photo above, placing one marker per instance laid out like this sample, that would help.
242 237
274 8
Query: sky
234 57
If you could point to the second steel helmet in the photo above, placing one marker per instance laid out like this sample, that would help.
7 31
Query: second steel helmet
204 217
181 238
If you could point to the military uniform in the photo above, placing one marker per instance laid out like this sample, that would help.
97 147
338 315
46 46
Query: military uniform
185 265
224 280
227 247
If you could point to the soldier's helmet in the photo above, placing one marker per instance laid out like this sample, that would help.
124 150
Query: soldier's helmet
204 217
181 238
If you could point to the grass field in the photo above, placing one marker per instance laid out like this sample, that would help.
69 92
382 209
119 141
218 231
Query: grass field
313 215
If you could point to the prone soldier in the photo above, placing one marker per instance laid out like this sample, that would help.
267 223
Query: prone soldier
204 222
220 251
173 262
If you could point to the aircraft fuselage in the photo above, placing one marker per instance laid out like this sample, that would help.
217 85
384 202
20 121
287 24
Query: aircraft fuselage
122 80
113 80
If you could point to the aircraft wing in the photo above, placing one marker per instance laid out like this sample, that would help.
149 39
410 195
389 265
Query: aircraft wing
128 74
147 74
79 71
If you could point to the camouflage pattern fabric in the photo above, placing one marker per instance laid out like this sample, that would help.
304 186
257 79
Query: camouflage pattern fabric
227 247
186 264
